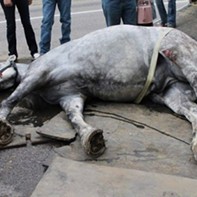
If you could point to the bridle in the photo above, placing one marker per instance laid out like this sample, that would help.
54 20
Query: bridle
10 63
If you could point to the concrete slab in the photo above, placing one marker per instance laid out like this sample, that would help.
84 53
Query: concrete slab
23 135
140 138
58 128
70 178
24 130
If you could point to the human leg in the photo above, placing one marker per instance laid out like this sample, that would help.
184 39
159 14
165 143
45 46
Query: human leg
129 14
11 28
171 18
65 18
23 9
162 11
48 10
112 12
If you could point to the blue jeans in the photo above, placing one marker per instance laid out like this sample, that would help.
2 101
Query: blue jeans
117 10
170 16
48 10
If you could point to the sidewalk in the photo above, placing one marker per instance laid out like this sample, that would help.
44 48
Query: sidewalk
186 20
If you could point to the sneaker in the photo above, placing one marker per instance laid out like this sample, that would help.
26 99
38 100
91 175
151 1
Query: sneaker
161 25
171 25
35 56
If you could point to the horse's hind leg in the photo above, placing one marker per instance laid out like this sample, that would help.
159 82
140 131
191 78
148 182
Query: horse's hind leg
180 98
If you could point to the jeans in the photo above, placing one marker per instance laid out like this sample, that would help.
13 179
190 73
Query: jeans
170 17
48 10
23 9
115 10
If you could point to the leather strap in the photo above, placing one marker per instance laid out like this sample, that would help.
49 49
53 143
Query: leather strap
152 68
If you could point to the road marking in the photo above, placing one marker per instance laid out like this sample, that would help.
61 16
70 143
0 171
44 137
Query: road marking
57 15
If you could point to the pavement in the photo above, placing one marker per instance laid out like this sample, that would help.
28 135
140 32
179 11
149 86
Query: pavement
76 179
148 150
186 20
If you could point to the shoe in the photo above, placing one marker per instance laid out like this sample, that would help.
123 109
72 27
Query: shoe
35 56
161 25
171 25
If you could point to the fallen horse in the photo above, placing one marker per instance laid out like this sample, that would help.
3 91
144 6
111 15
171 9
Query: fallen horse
111 64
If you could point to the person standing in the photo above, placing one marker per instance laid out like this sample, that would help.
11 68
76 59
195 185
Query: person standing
9 7
117 10
48 10
167 18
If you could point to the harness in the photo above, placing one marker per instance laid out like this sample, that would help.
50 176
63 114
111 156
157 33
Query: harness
152 68
10 63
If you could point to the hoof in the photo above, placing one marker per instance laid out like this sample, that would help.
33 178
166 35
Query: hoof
94 143
6 133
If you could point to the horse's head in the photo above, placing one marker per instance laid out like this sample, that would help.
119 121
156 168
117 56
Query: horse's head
8 74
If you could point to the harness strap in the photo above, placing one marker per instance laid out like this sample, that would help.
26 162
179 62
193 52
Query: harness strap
152 68
10 63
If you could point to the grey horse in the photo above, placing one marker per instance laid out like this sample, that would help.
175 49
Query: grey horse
111 64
